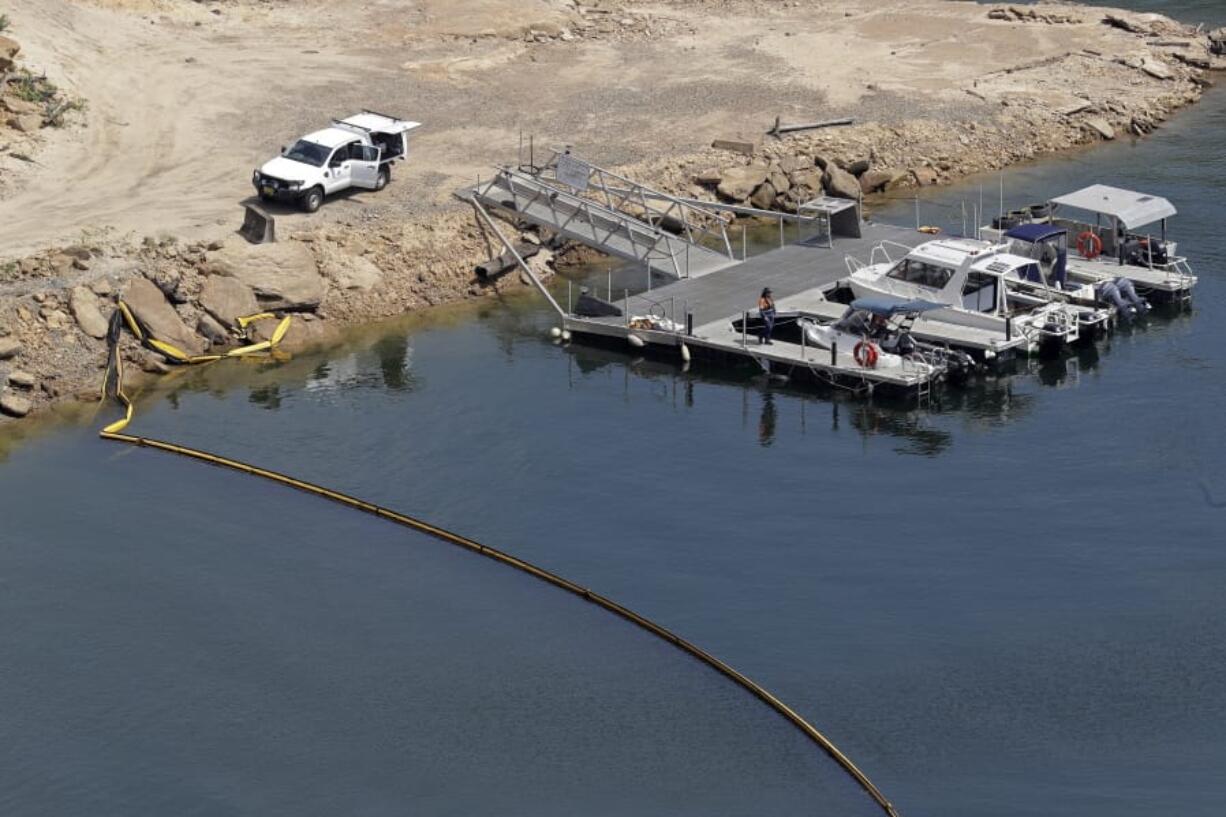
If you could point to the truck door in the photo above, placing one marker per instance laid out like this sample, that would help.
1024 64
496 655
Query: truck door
364 168
339 173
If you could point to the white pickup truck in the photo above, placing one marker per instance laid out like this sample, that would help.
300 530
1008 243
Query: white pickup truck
353 152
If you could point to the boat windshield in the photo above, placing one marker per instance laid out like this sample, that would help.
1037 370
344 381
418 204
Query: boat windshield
921 273
309 153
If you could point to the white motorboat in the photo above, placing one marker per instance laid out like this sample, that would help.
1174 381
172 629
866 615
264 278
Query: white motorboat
878 330
970 279
1117 244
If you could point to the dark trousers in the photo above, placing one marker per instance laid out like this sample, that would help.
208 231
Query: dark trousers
768 324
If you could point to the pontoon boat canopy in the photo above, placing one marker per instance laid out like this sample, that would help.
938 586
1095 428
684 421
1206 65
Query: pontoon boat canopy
1132 209
885 305
1034 233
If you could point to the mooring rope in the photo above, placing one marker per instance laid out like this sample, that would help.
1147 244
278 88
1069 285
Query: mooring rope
113 432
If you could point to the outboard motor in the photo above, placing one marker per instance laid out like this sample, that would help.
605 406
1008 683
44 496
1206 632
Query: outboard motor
1121 294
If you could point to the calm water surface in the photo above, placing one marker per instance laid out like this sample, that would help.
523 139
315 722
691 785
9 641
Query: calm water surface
1007 605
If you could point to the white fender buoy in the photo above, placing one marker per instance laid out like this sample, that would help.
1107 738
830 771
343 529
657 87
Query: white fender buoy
555 332
635 341
566 335
685 353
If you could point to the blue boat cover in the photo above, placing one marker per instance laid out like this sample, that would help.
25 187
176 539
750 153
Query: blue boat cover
888 306
1034 233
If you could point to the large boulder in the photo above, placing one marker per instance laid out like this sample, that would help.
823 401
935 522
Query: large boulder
84 307
738 183
282 275
806 184
764 197
875 181
149 305
227 299
838 182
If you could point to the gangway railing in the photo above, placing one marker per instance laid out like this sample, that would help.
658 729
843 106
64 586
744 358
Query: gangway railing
618 192
600 218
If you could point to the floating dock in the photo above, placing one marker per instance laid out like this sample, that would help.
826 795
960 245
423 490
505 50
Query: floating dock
703 312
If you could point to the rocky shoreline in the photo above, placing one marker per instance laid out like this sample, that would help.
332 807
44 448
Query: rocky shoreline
54 305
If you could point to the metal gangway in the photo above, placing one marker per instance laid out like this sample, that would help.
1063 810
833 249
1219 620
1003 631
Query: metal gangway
583 202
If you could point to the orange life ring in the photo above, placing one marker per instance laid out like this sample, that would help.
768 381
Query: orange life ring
865 354
1089 245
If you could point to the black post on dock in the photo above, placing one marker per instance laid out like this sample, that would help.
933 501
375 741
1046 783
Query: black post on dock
689 323
834 353
1008 328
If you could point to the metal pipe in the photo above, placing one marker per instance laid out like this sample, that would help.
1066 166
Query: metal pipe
744 244
781 232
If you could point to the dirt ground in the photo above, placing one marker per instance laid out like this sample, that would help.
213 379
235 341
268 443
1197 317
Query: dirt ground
186 98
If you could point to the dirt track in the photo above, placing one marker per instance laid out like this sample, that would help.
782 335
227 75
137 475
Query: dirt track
184 102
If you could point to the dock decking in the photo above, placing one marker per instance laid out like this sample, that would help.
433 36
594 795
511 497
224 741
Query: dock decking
795 273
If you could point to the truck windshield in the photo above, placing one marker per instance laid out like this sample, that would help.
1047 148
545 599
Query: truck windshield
308 153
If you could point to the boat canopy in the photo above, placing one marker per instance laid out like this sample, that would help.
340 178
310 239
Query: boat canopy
1034 233
887 306
1130 208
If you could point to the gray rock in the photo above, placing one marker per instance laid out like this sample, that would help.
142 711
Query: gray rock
779 181
807 183
227 299
795 164
858 167
22 380
764 196
875 181
212 331
709 177
9 347
149 305
1156 69
282 275
838 182
738 183
15 406
84 307
925 176
1101 126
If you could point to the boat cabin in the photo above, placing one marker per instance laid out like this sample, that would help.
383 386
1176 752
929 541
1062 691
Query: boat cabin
960 273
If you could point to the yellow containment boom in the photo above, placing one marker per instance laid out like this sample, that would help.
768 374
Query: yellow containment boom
657 630
123 316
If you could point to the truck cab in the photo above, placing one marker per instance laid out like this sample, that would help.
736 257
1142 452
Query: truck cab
354 152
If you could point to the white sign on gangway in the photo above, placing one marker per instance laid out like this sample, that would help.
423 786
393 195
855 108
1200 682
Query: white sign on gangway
574 172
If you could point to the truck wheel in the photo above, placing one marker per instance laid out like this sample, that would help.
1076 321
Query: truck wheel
313 200
383 178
